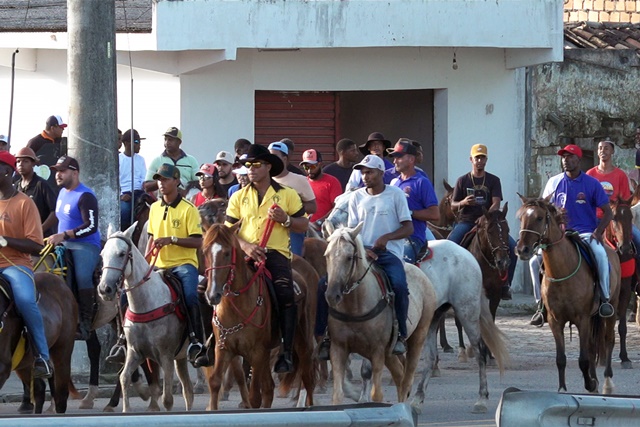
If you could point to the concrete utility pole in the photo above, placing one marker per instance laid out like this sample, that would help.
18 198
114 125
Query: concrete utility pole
92 102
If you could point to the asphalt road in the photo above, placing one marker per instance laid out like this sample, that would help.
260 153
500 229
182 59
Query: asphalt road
451 396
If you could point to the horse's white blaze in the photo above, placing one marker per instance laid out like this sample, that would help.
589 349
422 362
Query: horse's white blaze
529 211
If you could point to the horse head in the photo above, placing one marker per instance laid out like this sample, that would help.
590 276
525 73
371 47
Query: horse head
447 216
339 214
345 254
540 223
619 230
117 258
224 257
493 235
212 212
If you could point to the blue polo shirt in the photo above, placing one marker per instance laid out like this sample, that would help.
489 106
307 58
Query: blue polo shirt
420 195
580 197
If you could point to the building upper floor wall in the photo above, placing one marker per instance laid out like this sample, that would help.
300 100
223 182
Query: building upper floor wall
602 11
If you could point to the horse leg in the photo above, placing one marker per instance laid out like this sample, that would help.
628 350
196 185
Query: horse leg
462 351
415 344
306 367
377 364
610 325
214 375
267 385
239 376
93 351
26 407
430 353
39 390
338 362
365 372
395 366
443 337
187 387
151 371
561 358
131 363
167 387
623 303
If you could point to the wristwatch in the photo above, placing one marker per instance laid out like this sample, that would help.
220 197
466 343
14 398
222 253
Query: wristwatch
174 240
287 223
3 242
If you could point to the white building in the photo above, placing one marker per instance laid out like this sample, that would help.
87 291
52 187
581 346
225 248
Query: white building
447 73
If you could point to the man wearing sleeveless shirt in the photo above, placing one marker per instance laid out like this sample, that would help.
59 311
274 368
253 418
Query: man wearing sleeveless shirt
77 213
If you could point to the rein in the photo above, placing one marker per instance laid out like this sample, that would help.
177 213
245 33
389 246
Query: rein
501 246
154 252
6 311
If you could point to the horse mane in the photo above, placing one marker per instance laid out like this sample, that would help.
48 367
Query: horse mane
219 233
345 232
559 215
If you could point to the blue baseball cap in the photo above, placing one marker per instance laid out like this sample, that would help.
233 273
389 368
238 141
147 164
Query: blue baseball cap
280 146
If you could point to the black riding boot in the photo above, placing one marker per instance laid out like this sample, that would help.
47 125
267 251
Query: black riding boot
86 300
206 356
288 320
195 334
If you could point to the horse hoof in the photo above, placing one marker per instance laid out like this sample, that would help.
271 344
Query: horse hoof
416 407
25 408
243 405
108 408
435 373
479 408
86 404
626 364
448 349
224 397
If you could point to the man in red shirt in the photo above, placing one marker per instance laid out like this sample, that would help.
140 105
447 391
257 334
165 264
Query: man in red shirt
325 187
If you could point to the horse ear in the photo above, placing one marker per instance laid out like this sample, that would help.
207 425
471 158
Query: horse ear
447 186
524 199
505 209
327 229
357 230
110 230
129 231
235 227
548 198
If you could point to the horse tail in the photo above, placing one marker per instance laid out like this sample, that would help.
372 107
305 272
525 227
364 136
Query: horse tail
599 336
493 337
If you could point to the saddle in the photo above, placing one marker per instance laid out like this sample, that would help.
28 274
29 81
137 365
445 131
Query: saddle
21 348
468 238
176 305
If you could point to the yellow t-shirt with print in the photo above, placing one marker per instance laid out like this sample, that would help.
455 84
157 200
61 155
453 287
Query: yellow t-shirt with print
180 219
244 205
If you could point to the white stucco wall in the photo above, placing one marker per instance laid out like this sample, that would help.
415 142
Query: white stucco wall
43 92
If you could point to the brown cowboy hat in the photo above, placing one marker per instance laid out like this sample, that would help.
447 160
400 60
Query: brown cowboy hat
375 136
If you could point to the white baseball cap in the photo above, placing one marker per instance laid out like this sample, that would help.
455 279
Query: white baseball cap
371 161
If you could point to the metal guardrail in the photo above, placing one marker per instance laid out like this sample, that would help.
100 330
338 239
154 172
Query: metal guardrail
363 415
538 408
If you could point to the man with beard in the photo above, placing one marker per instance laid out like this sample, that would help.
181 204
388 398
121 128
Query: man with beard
325 187
47 146
226 179
173 154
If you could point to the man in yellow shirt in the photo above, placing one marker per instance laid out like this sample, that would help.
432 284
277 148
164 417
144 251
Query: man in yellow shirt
265 199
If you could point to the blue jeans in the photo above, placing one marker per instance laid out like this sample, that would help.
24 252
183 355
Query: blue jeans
126 208
24 293
85 258
188 275
297 241
412 247
394 267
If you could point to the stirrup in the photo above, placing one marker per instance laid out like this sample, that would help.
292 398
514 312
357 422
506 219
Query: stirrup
537 319
284 364
400 347
606 309
324 350
117 354
42 368
193 351
202 359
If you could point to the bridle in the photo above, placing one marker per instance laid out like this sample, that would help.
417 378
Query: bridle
226 288
540 243
128 259
346 287
502 245
622 249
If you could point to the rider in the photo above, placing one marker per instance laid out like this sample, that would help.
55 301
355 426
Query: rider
422 199
21 235
386 219
265 199
580 194
77 213
474 193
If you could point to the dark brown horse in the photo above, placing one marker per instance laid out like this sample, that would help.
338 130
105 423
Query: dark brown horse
444 225
244 323
618 235
568 291
60 317
490 246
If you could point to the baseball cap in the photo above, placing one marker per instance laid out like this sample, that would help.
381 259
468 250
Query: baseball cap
27 153
371 161
8 158
64 163
280 146
571 149
242 170
206 169
173 132
126 137
402 147
56 121
311 156
479 150
224 156
167 171
4 139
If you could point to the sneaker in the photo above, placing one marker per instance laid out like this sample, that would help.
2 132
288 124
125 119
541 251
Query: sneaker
537 319
117 355
400 347
506 293
284 364
42 368
324 349
606 309
193 351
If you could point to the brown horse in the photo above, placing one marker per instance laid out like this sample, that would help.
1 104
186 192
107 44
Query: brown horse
444 225
490 246
568 291
244 323
60 317
618 235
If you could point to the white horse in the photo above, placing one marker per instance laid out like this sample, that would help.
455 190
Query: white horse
457 281
361 318
162 339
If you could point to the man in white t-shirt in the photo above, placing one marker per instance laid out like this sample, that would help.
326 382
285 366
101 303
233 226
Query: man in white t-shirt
127 198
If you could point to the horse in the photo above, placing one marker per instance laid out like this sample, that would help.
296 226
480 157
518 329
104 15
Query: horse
60 317
490 247
244 324
457 280
568 291
618 236
447 217
162 336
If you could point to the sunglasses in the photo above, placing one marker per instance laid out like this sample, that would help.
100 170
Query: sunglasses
250 165
308 166
205 176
